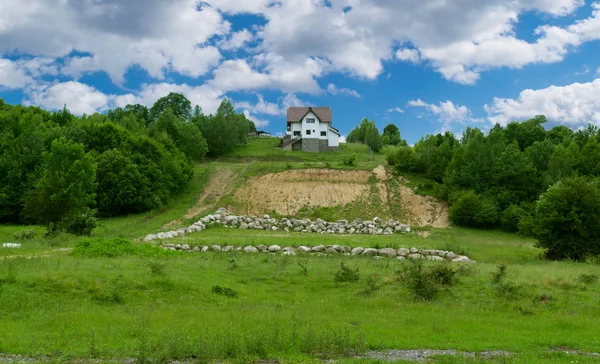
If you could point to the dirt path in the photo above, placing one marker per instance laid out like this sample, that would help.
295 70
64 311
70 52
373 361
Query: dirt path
222 181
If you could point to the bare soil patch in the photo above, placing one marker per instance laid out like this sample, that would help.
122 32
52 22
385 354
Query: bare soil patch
423 211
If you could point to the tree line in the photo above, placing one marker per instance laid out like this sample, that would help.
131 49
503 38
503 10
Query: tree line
63 170
522 178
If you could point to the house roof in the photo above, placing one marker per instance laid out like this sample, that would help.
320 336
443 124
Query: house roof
295 114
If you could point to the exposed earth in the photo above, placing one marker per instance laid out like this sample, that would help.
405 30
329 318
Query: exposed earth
288 192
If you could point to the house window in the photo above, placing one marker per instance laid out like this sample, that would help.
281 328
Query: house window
310 121
323 133
308 132
297 133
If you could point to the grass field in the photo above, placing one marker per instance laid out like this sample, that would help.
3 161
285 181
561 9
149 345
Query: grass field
239 308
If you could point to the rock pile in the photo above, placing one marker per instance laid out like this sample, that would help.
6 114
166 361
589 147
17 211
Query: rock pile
322 250
373 227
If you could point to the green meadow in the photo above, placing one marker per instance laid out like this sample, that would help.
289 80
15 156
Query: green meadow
141 302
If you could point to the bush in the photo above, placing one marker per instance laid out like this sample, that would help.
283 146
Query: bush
419 281
24 235
469 209
82 223
350 160
510 218
224 291
346 274
567 218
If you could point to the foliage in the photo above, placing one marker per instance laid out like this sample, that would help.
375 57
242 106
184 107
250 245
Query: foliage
224 291
391 135
224 130
566 220
419 280
469 209
112 248
24 235
367 133
177 103
66 188
346 274
349 160
81 222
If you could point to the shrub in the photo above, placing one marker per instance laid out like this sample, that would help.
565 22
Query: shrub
224 291
82 223
24 235
444 274
567 218
346 274
510 218
469 209
373 284
157 268
350 160
419 281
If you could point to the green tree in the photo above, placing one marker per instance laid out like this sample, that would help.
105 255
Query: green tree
391 135
567 218
179 105
67 186
373 138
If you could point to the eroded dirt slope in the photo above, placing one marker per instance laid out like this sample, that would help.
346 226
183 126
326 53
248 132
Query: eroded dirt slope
288 192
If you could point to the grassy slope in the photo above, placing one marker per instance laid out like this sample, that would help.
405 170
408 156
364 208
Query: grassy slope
69 307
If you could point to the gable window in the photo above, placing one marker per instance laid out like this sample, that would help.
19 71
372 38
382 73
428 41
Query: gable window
308 132
310 121
323 133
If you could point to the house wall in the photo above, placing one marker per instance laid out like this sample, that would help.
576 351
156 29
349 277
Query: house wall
311 144
333 139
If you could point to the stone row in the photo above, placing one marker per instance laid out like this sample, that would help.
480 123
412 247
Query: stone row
377 226
401 253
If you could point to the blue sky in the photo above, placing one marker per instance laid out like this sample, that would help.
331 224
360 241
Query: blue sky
426 65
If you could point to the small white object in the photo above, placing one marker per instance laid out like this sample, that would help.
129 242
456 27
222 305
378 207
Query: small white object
11 245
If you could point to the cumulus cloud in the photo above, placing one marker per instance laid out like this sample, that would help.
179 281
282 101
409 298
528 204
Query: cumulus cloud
78 98
12 75
448 113
334 90
259 123
152 34
237 40
574 105
409 55
263 107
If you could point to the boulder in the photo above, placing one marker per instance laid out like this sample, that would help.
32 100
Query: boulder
318 248
227 248
415 256
331 251
337 248
450 255
304 249
185 247
289 253
369 251
400 257
261 247
435 258
274 248
414 250
250 249
346 249
403 252
461 259
196 249
215 248
357 250
387 252
204 249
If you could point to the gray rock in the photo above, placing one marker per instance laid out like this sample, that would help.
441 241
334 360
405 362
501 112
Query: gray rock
346 249
435 258
403 252
185 247
289 253
400 257
387 252
196 249
415 256
450 255
318 248
414 250
204 249
261 247
337 248
215 248
357 250
461 259
369 251
250 249
274 248
227 248
304 249
331 251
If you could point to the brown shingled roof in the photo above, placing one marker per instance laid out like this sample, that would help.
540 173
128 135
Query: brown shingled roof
295 114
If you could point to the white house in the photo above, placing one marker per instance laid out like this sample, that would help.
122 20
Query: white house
310 129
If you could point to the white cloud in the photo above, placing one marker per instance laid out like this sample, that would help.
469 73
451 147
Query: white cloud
396 109
410 55
598 72
448 113
12 75
270 108
237 40
342 138
152 34
79 98
575 104
260 123
334 90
